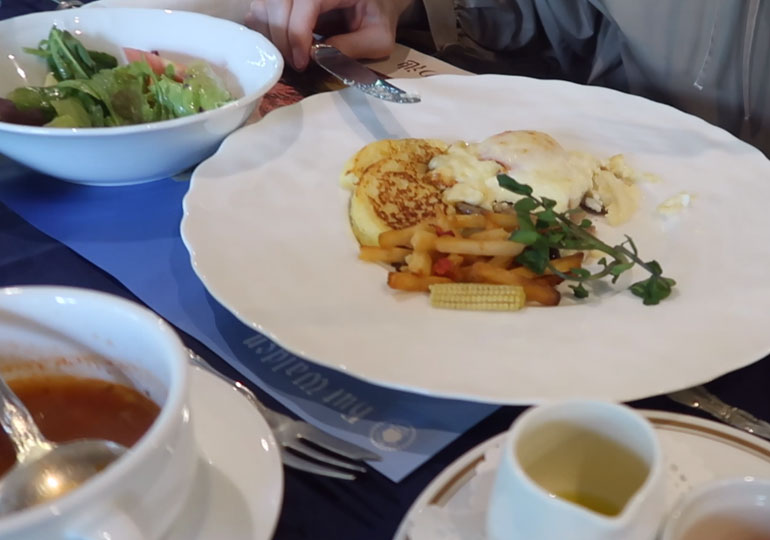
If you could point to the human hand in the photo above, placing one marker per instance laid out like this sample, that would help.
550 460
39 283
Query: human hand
368 26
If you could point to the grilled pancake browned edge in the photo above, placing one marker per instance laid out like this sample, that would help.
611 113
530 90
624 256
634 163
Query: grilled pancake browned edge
393 188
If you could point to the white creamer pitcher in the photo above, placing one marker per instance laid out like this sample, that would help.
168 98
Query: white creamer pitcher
578 470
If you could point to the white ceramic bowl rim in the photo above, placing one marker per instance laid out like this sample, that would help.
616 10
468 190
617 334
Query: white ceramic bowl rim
642 423
169 410
697 495
692 500
162 124
725 483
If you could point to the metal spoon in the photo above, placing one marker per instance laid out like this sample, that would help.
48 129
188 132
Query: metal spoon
45 470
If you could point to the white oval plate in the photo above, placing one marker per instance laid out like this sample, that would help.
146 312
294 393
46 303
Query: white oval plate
238 489
696 451
266 224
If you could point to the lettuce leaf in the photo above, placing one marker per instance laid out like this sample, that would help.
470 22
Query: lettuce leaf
30 97
200 90
70 112
88 89
209 87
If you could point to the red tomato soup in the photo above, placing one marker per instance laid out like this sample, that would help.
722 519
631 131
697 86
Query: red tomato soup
67 408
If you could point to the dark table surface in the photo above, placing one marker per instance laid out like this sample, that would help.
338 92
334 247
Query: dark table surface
314 507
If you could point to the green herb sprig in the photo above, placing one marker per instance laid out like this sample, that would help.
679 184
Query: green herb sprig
542 229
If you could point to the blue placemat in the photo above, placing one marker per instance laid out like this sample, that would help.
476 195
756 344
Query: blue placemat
133 234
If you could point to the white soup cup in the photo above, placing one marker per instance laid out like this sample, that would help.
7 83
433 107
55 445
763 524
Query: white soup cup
79 332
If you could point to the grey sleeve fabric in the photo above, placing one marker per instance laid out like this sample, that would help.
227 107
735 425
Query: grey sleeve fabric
498 25
563 33
706 57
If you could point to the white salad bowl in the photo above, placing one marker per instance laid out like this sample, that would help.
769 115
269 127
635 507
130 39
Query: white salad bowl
246 61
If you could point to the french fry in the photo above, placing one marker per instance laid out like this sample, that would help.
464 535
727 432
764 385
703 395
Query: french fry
501 261
419 263
423 241
468 246
524 272
400 237
539 292
506 221
470 259
490 234
550 280
383 255
468 221
464 274
542 294
562 264
565 264
483 272
444 224
406 281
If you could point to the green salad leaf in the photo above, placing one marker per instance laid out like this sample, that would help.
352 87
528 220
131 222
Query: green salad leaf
68 59
70 112
201 90
89 89
27 98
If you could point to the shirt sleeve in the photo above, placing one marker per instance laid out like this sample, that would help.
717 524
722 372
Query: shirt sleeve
557 31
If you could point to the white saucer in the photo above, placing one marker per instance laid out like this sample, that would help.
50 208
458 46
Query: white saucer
238 489
453 505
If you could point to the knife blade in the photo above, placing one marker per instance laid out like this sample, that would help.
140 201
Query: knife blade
700 398
353 73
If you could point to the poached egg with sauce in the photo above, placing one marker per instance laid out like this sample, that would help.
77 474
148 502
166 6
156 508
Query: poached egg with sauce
535 158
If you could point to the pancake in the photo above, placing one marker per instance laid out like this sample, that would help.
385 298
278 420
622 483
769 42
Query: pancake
392 187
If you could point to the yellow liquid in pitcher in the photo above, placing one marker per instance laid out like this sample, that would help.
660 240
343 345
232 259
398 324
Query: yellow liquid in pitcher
593 502
581 466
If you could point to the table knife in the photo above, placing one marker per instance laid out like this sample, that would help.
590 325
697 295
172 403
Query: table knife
354 73
700 398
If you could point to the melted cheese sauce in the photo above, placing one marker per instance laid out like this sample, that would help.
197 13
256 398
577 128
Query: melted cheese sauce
536 159
475 180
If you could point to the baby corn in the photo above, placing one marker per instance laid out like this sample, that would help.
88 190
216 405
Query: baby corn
477 296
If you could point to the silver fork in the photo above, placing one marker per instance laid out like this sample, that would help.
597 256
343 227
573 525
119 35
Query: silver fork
294 435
